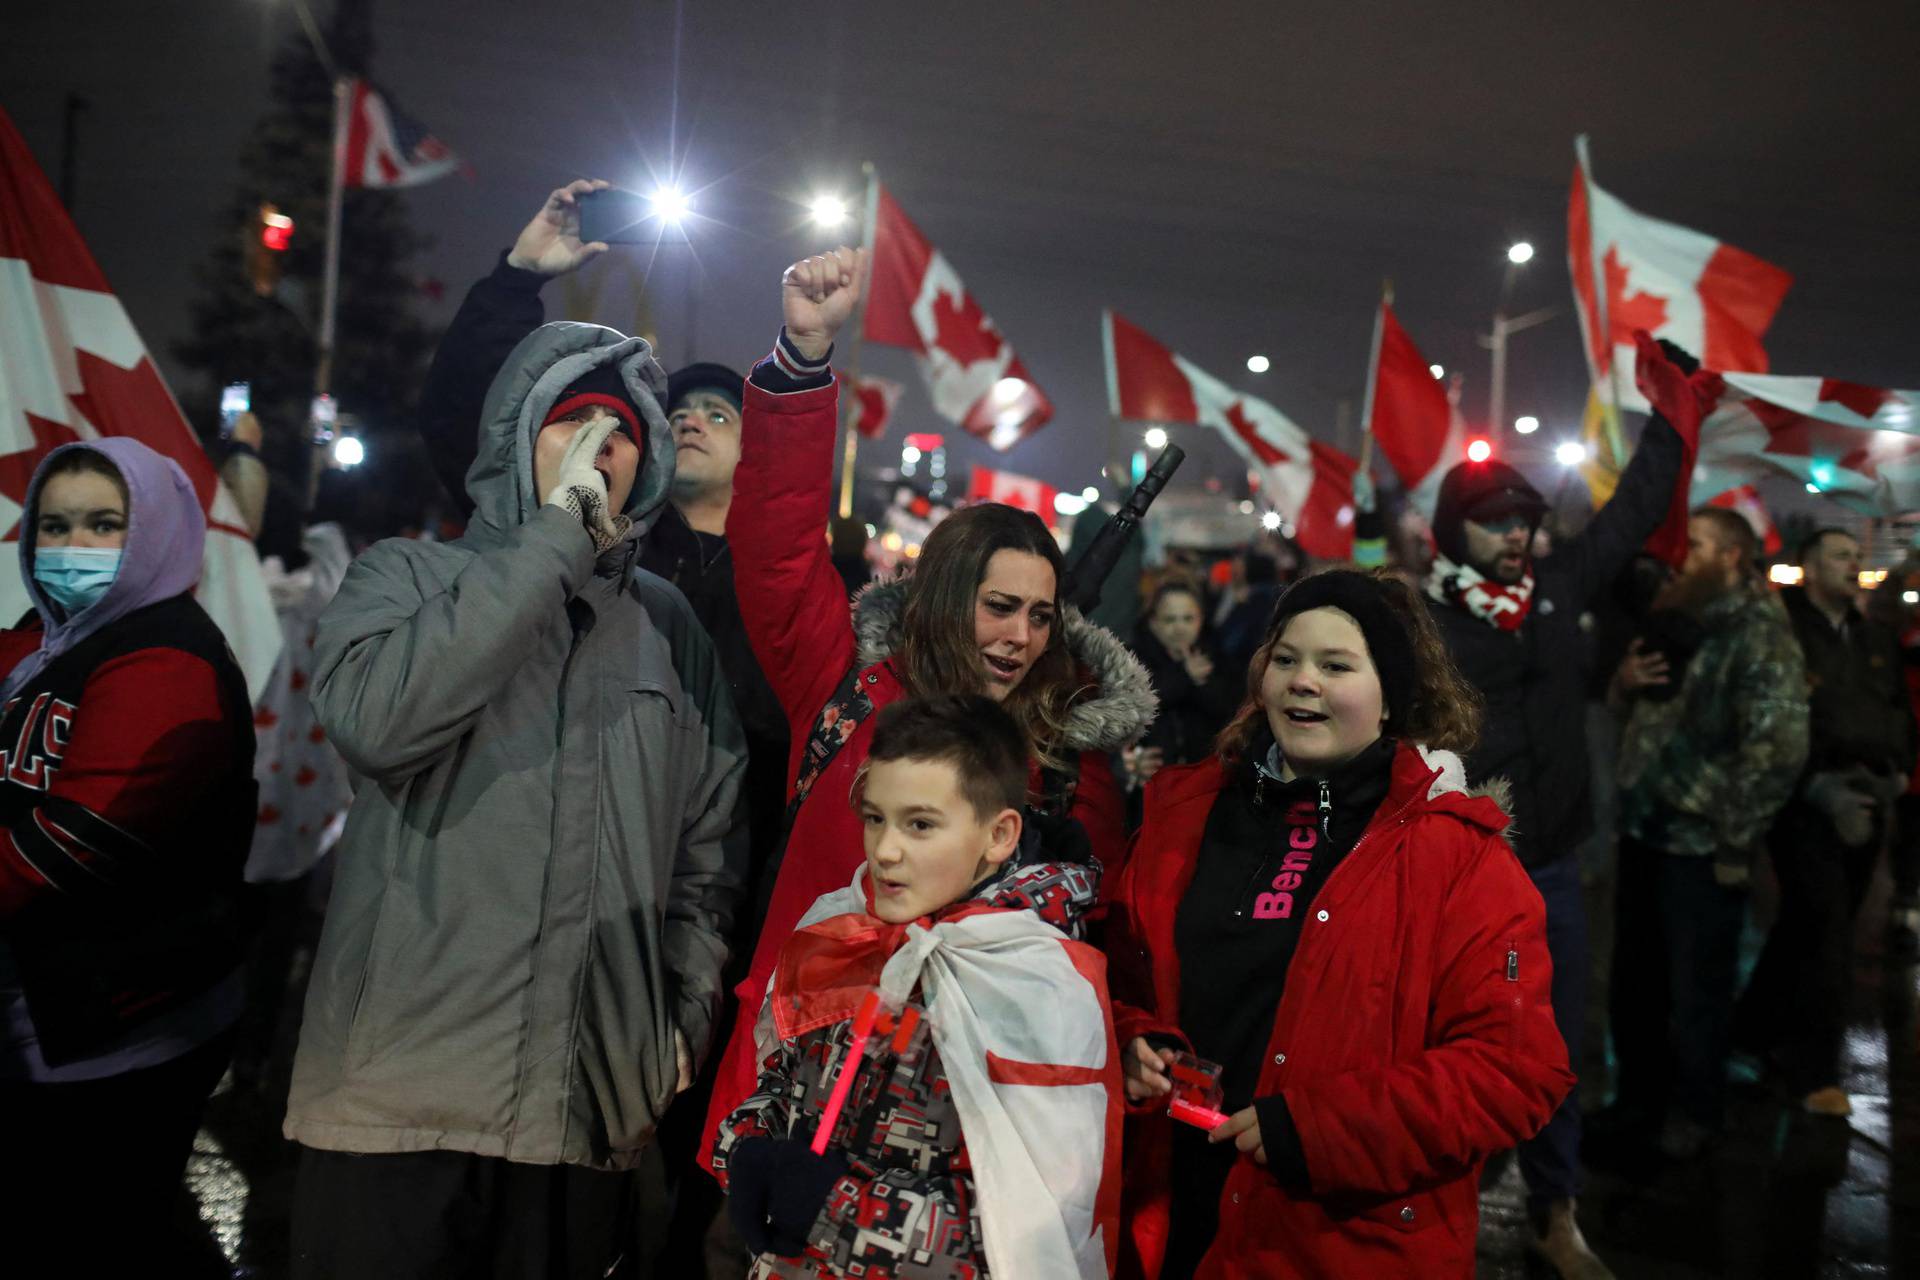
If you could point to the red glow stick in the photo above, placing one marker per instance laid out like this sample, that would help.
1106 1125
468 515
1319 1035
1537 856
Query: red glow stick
849 1068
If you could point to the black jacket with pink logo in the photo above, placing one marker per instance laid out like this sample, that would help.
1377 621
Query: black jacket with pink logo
1269 847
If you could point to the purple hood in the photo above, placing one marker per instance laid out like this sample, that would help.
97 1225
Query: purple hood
166 542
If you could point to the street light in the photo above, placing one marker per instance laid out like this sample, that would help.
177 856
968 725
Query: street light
1526 424
1090 493
1156 438
1270 521
669 204
1438 371
1570 453
1520 253
348 451
1258 364
827 210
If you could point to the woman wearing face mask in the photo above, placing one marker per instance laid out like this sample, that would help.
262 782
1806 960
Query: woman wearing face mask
127 797
1323 910
1197 694
980 613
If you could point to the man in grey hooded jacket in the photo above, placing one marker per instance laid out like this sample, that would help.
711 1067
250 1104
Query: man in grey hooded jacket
523 948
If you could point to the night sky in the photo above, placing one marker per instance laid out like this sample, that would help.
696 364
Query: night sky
1235 178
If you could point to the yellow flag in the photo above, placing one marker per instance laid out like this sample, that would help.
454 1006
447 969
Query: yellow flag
1606 455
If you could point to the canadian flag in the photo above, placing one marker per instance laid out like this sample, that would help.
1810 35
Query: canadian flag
1855 445
1310 483
914 300
73 368
1409 415
873 405
382 146
1746 501
1024 492
1634 272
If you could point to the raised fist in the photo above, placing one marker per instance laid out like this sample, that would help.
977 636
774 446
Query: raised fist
817 295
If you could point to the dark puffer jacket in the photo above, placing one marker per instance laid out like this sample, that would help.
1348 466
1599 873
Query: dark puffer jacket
1533 680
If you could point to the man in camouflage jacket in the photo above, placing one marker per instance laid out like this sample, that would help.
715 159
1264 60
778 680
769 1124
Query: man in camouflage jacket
1714 742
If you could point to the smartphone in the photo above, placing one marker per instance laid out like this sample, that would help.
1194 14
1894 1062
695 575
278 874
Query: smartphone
616 217
235 399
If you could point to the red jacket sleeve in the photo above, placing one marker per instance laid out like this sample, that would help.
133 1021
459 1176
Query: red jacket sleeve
115 771
792 600
1130 976
1494 1067
1101 811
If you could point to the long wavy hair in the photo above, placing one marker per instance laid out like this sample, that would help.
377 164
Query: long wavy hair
938 652
1445 711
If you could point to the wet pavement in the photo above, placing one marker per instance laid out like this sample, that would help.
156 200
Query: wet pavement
1783 1194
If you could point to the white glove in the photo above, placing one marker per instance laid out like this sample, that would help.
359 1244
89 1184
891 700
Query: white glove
582 491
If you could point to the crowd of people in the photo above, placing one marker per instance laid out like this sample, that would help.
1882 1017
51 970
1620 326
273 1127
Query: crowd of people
929 931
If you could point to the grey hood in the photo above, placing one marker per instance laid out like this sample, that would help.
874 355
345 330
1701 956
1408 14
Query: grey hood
1119 711
544 364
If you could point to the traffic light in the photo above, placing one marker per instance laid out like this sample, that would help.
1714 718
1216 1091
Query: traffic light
271 237
1478 450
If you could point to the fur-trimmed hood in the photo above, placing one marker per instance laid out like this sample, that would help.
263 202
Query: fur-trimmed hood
1117 714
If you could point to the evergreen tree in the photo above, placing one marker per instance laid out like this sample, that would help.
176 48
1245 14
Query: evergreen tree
380 345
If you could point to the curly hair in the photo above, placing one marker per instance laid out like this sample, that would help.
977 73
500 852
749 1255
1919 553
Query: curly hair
1445 711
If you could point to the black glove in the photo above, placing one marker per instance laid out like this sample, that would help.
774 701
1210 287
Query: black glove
776 1188
1679 357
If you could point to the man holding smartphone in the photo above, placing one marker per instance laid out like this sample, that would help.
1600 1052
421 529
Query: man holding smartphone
687 546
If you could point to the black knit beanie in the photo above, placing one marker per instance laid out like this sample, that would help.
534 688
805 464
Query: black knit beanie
705 376
1363 598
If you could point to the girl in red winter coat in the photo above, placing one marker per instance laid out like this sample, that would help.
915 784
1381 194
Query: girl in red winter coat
980 613
1323 910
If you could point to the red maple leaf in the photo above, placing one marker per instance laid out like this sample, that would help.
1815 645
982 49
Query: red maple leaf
1242 425
963 331
1863 400
1855 449
16 469
1642 311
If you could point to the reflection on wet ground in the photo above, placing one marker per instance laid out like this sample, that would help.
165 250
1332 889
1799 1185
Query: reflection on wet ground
1783 1194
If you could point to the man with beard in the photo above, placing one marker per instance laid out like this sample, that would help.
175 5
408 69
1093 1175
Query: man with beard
1828 836
1512 626
1714 742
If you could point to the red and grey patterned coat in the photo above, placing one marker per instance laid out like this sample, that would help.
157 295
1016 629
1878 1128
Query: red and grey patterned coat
907 1207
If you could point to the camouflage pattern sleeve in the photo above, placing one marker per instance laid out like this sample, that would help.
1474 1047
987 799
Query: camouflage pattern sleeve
1742 790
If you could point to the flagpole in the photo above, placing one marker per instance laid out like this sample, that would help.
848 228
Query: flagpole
330 271
1373 373
850 394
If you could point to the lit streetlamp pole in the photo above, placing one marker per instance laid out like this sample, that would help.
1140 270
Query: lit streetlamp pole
1504 326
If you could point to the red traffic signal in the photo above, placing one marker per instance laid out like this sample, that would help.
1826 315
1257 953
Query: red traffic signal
1478 450
276 229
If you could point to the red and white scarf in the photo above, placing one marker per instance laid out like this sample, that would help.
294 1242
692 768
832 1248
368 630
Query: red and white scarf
1496 605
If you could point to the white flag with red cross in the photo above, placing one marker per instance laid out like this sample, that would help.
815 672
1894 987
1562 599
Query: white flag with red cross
988 484
916 301
1632 272
1310 483
73 368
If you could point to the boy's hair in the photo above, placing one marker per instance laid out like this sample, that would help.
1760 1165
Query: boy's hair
969 731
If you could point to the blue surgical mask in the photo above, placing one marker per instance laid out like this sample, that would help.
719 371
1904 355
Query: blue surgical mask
75 577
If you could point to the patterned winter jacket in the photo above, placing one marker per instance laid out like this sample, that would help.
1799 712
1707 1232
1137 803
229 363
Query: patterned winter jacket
1703 773
907 1208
